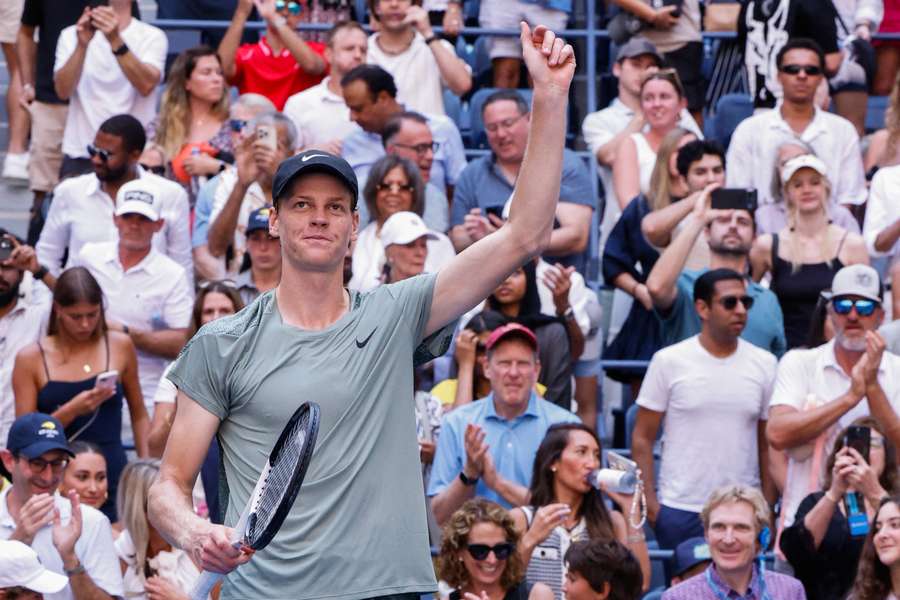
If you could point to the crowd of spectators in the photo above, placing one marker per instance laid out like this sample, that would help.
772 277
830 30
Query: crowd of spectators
745 279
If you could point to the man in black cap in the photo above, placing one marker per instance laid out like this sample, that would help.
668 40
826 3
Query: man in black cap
359 528
67 536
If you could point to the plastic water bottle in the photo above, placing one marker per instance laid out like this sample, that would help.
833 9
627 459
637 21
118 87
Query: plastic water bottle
623 482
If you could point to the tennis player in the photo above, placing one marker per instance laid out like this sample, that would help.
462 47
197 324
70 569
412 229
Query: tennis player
358 527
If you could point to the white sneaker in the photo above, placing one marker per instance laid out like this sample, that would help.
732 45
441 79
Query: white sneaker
16 166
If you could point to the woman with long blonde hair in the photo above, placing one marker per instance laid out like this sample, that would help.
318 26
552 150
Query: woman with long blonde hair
192 127
806 254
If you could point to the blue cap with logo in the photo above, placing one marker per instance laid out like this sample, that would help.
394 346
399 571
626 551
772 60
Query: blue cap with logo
259 219
690 553
34 434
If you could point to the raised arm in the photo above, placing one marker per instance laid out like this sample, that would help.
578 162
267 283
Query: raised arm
170 508
658 225
480 268
66 76
305 56
232 38
453 69
626 173
143 76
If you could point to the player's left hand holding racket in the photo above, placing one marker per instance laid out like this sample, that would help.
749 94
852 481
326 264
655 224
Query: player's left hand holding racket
272 497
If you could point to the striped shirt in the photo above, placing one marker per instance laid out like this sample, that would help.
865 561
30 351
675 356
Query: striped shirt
709 586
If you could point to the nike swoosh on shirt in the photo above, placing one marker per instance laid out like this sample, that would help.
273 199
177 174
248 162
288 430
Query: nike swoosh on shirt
361 344
306 158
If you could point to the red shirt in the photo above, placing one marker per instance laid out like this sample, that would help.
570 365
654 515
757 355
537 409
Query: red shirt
258 70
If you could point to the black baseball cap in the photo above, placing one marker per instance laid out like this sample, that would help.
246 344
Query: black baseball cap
315 161
34 434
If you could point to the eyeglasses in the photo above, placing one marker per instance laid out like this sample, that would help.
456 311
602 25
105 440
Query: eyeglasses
730 302
876 442
810 70
293 7
226 282
37 465
481 551
419 149
864 307
95 151
237 125
395 187
505 124
156 170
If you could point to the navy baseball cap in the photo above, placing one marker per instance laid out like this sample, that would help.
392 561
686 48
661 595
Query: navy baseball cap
34 434
315 161
259 219
690 553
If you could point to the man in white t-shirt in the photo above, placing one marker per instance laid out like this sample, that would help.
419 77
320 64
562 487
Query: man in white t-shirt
882 225
107 63
69 537
711 394
146 295
421 62
821 390
319 113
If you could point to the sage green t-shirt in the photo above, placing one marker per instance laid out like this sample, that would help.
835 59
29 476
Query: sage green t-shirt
358 527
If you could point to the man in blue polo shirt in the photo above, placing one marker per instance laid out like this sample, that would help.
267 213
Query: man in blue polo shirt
487 448
730 236
487 183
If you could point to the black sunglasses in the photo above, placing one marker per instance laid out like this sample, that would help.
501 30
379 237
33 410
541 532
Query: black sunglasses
730 302
481 551
95 151
394 186
810 70
156 170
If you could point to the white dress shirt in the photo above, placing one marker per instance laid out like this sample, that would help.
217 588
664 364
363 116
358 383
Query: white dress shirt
22 326
82 212
754 147
812 377
153 295
103 90
320 115
882 209
94 549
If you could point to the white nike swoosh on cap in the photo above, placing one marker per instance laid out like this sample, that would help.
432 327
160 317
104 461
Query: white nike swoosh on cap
306 158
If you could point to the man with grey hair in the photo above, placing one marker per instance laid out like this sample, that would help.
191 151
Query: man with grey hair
248 186
242 111
819 391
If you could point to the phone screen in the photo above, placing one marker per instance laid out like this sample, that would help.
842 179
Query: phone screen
734 198
859 438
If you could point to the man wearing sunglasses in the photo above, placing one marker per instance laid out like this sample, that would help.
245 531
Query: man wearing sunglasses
68 537
710 393
822 390
281 63
801 68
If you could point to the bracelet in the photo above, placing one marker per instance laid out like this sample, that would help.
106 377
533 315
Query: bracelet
78 570
125 330
467 481
830 498
121 50
637 538
40 273
430 39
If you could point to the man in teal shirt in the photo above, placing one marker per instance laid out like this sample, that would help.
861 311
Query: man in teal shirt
358 527
730 235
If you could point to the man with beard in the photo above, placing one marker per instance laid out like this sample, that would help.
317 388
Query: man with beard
712 438
82 207
21 322
730 236
819 391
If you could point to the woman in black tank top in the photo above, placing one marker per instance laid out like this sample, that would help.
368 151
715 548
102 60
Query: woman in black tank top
58 375
804 256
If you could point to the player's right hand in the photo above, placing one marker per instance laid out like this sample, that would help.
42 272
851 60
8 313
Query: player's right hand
214 551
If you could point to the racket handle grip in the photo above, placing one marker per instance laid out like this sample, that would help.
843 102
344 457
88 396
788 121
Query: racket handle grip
204 585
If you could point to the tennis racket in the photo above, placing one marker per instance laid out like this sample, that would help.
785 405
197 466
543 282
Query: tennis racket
275 491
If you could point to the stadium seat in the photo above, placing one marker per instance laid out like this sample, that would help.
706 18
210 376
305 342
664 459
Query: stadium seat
453 108
875 113
654 594
731 109
479 137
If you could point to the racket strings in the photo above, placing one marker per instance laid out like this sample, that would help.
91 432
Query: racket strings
278 481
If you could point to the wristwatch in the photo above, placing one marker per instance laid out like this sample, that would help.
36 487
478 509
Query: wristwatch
569 314
121 50
40 273
79 569
466 480
431 38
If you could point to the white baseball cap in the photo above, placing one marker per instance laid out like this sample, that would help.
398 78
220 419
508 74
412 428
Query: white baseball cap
856 280
804 161
139 196
20 566
404 227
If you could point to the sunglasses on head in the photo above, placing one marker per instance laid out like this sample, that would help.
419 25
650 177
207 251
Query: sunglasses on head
237 125
156 170
481 551
95 151
293 7
810 70
730 302
208 282
864 307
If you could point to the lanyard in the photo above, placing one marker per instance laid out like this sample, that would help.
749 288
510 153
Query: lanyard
763 594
